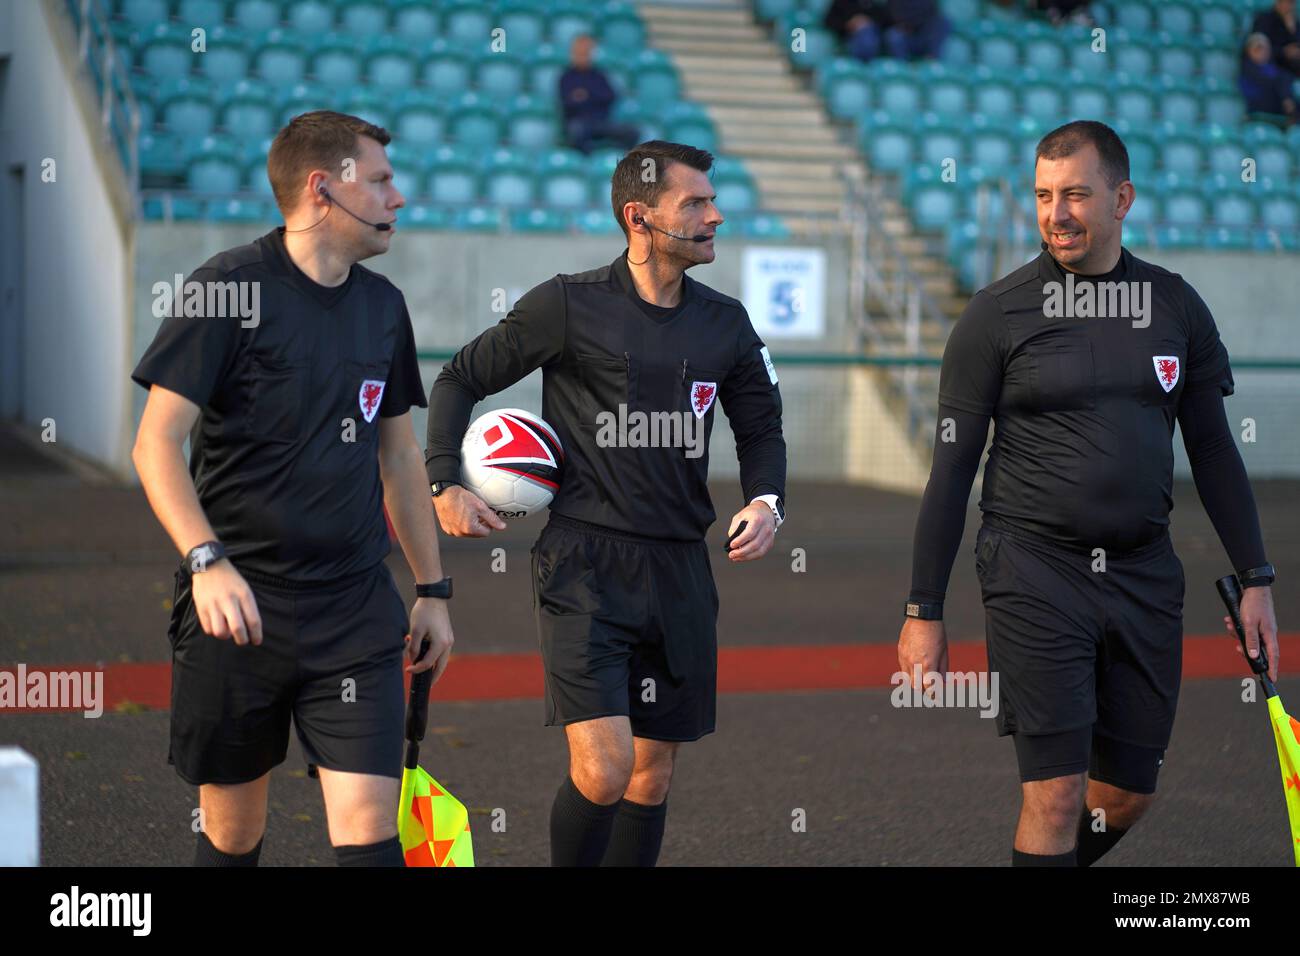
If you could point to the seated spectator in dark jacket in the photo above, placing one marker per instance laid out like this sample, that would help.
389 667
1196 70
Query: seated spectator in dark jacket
1279 25
1265 86
587 100
917 29
861 24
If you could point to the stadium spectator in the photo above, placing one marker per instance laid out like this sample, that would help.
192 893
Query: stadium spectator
1283 33
861 24
587 100
905 29
917 29
1265 86
1061 12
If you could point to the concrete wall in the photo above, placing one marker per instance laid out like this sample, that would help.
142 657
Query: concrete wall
70 300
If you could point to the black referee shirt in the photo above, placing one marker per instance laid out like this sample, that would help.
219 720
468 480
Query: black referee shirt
1084 404
600 347
291 488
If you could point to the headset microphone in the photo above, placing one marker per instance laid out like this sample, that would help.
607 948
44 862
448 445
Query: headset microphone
381 226
640 221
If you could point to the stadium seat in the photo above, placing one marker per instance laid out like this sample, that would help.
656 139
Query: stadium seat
844 87
311 17
446 71
991 148
1177 60
936 145
239 210
1134 104
531 123
1178 19
935 205
538 219
1280 212
1043 103
303 98
1087 101
509 180
1134 59
545 64
144 13
898 96
363 18
227 57
162 158
995 99
735 194
186 108
958 51
1181 155
1235 209
208 14
419 119
1145 211
477 219
949 97
595 222
214 167
371 105
563 179
1043 53
500 75
622 31
247 110
453 176
1219 64
468 25
1135 17
280 59
390 67
888 145
422 215
656 82
255 16
171 206
1224 108
415 20
568 21
165 52
336 62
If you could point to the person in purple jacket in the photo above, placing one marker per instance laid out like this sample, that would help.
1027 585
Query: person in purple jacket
587 100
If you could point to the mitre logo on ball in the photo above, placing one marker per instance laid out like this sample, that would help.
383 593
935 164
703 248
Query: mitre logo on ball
512 459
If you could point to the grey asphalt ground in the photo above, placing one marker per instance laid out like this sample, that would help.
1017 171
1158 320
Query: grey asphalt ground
85 574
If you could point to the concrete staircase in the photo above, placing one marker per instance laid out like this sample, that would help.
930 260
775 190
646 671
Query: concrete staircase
768 115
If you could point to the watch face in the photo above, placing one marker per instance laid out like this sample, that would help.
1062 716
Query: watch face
199 563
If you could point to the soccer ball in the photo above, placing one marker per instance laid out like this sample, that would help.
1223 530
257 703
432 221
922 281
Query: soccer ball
512 460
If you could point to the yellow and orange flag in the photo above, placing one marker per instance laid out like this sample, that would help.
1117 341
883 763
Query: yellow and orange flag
1286 733
432 824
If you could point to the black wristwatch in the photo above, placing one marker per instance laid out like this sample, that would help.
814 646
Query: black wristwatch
1259 577
202 557
439 589
438 487
924 612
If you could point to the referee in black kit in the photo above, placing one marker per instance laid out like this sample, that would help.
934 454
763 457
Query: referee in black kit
298 416
1083 358
624 595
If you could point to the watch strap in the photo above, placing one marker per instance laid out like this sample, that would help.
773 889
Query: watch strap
924 611
1261 576
439 589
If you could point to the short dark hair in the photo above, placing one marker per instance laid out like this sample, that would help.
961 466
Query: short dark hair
321 139
1069 139
631 182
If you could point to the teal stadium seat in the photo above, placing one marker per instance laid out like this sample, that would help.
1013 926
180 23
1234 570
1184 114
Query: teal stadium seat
538 219
419 119
531 123
415 20
563 179
509 179
311 17
545 64
255 16
280 58
214 167
166 53
390 64
186 107
226 60
524 25
844 87
302 98
1176 18
595 222
143 13
247 110
453 176
371 105
363 18
446 71
208 14
567 21
336 61
501 75
468 25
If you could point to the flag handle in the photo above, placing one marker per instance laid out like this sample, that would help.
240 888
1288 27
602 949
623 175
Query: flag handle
417 710
1230 591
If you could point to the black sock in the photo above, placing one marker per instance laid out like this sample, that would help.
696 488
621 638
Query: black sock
580 829
1093 845
1020 858
206 854
637 835
384 853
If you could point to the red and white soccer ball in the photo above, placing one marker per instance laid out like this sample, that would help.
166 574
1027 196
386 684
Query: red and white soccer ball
512 460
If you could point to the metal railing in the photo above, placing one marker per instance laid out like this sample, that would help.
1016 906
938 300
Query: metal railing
119 115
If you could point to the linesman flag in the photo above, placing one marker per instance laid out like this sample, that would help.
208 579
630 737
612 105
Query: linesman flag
432 824
1286 729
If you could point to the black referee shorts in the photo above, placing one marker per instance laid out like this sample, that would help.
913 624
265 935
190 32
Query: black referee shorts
331 657
628 627
1089 663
